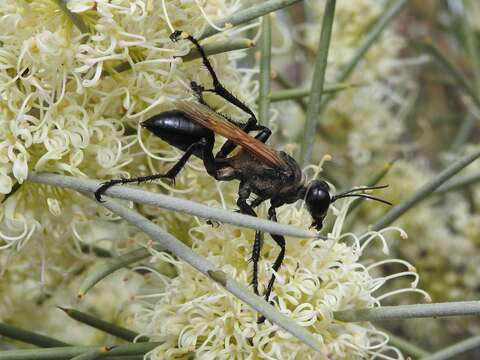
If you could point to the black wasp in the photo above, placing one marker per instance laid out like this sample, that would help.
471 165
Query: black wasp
262 171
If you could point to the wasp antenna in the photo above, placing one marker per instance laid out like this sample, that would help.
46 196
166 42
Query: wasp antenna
363 188
336 197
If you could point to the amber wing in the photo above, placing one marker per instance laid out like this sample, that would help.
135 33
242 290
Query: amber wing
218 124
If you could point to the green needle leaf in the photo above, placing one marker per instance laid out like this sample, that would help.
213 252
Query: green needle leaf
406 347
64 353
91 355
220 47
215 48
298 93
246 15
314 102
410 311
107 267
265 70
424 191
29 337
460 183
103 325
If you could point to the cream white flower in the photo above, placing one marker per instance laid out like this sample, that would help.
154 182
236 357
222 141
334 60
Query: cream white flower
66 110
193 315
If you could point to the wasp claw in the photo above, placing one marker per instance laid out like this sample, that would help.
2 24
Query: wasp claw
99 197
99 192
198 89
176 35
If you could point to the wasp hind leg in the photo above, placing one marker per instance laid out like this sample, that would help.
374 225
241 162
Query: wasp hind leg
205 145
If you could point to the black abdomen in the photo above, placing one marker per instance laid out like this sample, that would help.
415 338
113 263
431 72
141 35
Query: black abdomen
177 129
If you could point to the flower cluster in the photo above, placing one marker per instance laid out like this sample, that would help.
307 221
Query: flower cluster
191 314
76 79
67 109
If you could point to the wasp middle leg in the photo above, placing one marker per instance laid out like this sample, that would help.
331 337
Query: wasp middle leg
178 130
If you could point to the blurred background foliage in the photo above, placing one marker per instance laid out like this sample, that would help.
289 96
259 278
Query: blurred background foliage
408 108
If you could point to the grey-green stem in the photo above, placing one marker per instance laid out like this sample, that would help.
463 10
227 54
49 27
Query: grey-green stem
452 352
246 15
174 204
424 191
182 251
315 99
460 308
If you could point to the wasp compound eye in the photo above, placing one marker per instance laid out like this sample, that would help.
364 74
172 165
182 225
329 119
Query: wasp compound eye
318 200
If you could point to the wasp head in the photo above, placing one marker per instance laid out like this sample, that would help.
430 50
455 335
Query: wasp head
318 199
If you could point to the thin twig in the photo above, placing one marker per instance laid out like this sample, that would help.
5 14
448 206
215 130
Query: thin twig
265 70
318 80
287 85
464 131
460 183
246 15
406 347
453 351
453 70
182 251
174 204
298 93
459 308
374 180
74 18
215 48
426 190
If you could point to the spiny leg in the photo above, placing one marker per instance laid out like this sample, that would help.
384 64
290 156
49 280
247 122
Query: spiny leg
243 194
263 134
257 201
170 174
280 240
257 247
218 89
221 91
